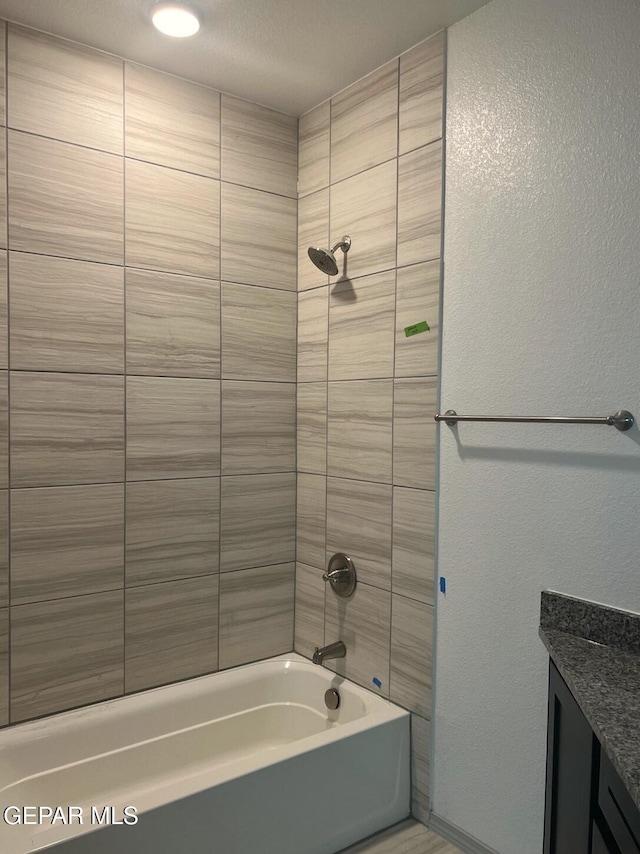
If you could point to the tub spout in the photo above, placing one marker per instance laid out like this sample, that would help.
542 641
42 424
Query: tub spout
333 650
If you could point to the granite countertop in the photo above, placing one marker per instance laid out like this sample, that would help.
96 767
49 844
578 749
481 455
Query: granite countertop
597 651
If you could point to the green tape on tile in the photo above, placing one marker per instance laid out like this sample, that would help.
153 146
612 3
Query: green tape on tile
416 329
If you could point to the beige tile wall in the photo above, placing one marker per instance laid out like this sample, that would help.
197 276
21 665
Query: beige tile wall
371 167
148 373
151 246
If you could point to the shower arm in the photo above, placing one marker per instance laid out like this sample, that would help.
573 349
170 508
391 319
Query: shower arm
344 244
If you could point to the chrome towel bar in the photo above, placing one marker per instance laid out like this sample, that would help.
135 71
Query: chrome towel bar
622 420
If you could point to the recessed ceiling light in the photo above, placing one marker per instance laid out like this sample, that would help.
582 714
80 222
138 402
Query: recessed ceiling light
176 19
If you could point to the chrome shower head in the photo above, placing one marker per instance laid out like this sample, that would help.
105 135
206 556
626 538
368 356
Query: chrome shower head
325 260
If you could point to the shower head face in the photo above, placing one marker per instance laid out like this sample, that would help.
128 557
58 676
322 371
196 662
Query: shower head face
324 260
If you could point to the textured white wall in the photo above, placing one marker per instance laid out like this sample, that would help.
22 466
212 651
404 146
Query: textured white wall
541 316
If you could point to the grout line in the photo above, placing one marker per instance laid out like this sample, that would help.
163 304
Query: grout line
326 405
297 357
8 372
124 320
74 484
128 157
393 388
373 379
35 135
146 584
120 375
220 371
372 482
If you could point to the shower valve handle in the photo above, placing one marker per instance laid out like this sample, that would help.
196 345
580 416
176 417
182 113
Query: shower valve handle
341 573
337 575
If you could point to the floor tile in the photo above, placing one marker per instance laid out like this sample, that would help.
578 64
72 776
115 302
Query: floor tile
408 837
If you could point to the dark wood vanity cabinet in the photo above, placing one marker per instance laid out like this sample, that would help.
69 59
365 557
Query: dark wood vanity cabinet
587 807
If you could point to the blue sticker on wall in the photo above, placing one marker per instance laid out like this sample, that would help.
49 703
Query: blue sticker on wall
377 682
443 585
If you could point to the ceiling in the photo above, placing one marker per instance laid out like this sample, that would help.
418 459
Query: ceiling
286 54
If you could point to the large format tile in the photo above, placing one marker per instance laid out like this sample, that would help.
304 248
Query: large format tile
309 612
414 522
66 315
362 622
171 632
173 325
258 333
417 301
364 123
419 204
4 666
66 653
257 525
65 200
311 519
259 147
64 90
258 238
313 149
66 429
171 121
4 292
66 541
173 220
312 427
173 428
364 207
414 432
256 613
4 430
421 93
4 549
411 654
172 529
361 327
359 524
313 230
420 767
258 427
359 426
313 331
409 837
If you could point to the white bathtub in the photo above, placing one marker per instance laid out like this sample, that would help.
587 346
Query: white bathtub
248 761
